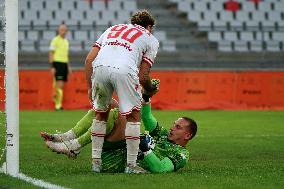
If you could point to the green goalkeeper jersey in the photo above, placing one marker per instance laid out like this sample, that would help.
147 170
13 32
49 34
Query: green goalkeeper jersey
165 157
178 155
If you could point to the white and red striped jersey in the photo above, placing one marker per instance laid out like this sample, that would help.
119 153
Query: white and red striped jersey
124 46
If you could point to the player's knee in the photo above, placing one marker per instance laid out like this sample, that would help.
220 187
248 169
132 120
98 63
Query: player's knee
134 116
101 116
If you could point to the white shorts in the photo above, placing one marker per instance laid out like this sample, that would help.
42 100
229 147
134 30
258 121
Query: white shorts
106 80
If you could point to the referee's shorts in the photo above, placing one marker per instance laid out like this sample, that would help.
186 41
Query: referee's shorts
61 71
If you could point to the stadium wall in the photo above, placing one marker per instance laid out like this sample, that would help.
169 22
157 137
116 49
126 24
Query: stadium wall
178 90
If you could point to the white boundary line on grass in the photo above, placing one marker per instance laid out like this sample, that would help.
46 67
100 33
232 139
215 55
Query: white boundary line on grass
34 181
39 183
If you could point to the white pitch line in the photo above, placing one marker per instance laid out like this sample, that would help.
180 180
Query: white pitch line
39 183
34 181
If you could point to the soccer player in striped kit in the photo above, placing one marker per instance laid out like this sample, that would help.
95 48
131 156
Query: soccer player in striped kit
120 61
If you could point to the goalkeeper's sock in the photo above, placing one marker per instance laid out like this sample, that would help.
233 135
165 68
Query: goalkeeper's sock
84 124
85 138
69 135
98 136
132 136
74 145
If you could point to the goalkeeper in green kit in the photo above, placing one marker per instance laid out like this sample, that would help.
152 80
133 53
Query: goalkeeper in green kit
160 150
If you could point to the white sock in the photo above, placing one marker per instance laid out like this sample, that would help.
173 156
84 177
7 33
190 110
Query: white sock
132 136
98 136
75 145
69 135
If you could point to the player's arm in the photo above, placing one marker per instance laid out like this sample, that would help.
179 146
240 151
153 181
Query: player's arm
88 66
69 64
50 60
150 122
156 165
146 64
50 56
90 58
52 48
144 77
176 157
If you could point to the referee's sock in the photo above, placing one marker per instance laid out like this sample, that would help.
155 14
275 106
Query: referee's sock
58 99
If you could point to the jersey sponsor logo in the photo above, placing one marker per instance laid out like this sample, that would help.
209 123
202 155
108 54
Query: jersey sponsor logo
117 43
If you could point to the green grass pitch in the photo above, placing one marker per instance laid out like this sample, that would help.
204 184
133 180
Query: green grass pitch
232 149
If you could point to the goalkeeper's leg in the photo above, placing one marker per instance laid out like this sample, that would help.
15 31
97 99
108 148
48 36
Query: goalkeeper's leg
81 127
71 148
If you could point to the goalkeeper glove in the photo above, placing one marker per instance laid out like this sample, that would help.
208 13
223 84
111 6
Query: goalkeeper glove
146 143
146 95
145 146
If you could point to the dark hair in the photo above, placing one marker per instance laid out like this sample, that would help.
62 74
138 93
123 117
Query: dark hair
192 126
143 18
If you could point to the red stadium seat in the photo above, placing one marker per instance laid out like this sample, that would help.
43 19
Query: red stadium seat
232 6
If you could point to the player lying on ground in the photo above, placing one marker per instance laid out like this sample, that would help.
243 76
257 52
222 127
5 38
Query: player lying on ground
168 154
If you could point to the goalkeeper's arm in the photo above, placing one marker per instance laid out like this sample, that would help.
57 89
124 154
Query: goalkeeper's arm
150 122
156 165
148 119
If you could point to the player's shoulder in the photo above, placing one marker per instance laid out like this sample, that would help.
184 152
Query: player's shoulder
154 40
181 152
66 40
117 25
142 29
54 41
55 38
